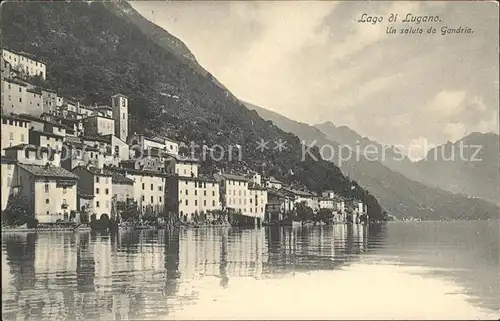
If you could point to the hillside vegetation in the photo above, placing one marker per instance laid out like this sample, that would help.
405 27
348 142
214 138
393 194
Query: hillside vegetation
94 50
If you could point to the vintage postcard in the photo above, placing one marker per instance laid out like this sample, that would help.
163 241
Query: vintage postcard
257 160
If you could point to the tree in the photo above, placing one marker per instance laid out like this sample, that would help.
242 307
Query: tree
128 211
304 212
18 212
324 214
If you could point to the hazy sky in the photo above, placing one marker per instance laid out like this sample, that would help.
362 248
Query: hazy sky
313 62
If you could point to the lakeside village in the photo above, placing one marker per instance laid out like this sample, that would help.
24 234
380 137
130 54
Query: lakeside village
68 165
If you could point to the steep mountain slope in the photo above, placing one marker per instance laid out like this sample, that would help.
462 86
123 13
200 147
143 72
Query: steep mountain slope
468 166
443 167
94 50
396 193
390 156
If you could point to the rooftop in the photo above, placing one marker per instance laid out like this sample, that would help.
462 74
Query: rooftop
93 170
194 179
79 145
234 177
97 115
119 95
104 107
297 192
181 158
31 147
16 81
44 133
28 55
14 117
162 139
96 138
34 90
140 172
41 120
48 171
119 178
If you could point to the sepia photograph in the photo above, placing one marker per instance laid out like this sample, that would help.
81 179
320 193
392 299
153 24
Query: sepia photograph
250 160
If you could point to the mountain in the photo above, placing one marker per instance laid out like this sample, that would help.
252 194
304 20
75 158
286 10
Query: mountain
389 156
468 166
396 193
443 167
96 49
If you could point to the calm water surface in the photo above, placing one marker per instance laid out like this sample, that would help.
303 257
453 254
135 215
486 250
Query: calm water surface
428 270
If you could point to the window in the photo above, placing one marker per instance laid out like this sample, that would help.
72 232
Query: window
187 192
107 191
97 204
213 203
47 201
65 190
186 202
160 188
159 199
142 186
204 193
46 188
143 198
152 199
97 177
213 193
151 186
195 192
11 136
97 190
27 154
204 202
20 90
195 202
22 137
250 210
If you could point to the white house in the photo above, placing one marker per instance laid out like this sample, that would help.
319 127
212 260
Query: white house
50 191
192 197
24 63
15 131
97 182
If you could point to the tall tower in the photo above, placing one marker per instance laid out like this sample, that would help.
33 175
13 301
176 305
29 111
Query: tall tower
119 103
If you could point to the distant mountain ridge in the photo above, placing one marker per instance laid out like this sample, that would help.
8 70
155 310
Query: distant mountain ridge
401 196
465 176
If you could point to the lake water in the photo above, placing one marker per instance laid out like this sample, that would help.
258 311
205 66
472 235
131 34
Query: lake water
426 270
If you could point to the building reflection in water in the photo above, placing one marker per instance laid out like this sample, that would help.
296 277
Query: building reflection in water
149 274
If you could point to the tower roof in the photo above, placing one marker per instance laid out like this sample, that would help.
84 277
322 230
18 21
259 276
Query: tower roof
119 95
